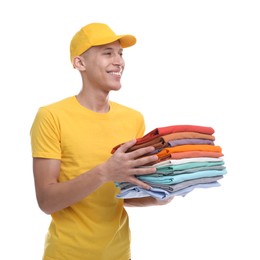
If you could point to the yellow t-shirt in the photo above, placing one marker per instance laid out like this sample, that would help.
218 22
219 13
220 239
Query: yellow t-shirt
95 228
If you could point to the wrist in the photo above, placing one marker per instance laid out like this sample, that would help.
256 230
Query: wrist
102 173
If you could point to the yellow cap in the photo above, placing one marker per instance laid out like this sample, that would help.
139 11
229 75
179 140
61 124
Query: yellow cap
96 34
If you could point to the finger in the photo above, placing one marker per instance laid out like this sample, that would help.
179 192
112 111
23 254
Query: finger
165 201
144 161
141 152
143 171
124 147
139 183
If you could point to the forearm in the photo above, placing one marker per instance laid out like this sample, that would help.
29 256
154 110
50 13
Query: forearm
145 202
59 195
53 195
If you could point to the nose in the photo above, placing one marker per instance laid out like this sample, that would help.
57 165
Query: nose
118 60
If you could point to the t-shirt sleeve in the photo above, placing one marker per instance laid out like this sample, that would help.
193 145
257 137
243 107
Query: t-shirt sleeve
45 135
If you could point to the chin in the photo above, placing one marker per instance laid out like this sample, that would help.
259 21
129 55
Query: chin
115 88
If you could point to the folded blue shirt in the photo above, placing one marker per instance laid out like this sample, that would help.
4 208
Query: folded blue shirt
158 193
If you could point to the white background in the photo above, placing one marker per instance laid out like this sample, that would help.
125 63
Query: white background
195 62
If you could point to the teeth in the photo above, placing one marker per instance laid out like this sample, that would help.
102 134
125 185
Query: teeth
116 73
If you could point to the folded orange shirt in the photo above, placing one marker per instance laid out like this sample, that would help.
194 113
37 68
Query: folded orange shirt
166 152
196 154
188 135
190 150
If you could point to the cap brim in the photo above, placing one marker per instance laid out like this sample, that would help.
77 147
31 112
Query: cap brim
127 40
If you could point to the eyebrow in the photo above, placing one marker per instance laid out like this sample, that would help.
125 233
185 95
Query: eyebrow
110 49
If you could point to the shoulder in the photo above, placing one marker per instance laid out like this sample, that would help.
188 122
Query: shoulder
56 107
53 110
122 108
61 103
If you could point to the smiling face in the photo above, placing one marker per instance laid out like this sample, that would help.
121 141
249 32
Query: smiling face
103 67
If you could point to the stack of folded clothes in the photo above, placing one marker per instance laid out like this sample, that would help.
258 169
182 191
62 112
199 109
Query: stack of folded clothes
187 159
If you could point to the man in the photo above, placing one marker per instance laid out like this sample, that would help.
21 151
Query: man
73 168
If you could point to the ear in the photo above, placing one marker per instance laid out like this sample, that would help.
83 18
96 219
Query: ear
79 63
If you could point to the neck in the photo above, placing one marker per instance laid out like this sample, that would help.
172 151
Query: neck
98 104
